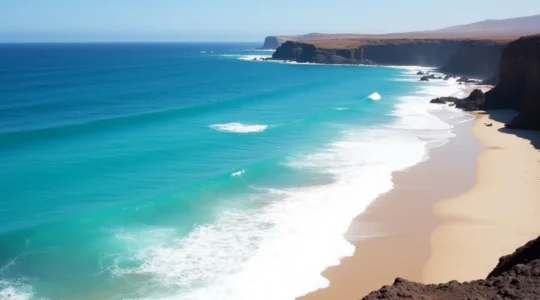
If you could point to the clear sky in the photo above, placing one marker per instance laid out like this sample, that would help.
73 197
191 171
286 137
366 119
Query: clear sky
237 20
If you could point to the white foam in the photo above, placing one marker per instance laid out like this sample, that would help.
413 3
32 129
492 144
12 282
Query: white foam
239 127
249 57
238 173
375 96
279 250
254 57
15 291
342 108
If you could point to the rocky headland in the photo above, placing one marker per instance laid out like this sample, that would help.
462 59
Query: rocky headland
471 57
517 276
517 85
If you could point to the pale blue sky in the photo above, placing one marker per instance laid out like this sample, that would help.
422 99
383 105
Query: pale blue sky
236 20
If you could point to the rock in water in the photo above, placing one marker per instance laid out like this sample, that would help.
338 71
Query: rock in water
474 101
428 77
444 100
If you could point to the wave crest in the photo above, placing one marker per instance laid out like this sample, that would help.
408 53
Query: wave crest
375 96
238 173
239 127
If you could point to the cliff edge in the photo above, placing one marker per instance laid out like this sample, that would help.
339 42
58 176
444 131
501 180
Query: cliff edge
477 58
517 276
519 83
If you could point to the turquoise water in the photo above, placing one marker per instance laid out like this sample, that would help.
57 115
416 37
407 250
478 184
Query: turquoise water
189 171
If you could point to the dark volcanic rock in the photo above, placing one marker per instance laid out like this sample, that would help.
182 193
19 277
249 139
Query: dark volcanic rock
429 77
478 58
447 77
523 255
444 100
519 83
474 101
384 52
516 277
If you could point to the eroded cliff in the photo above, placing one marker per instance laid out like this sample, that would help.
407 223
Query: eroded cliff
466 57
384 52
519 83
476 58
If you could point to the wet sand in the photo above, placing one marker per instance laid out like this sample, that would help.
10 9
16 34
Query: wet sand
450 217
392 238
499 214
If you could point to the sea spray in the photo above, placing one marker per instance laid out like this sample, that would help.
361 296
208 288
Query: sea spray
375 96
239 127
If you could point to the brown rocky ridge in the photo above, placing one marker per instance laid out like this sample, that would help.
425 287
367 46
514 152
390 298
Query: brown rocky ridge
516 277
471 57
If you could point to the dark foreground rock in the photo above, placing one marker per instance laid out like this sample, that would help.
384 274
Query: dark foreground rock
516 277
474 101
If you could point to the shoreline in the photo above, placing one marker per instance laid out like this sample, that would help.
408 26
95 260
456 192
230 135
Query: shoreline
499 214
389 223
459 217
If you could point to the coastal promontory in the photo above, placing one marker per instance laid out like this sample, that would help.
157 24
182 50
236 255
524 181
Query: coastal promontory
519 83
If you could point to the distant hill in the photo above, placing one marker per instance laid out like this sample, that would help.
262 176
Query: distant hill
506 28
515 26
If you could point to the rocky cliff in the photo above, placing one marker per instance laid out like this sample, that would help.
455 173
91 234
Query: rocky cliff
517 276
475 58
519 83
388 52
468 57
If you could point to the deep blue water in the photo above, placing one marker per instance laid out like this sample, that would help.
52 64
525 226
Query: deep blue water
186 171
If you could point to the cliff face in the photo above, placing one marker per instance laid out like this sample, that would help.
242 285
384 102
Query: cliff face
475 58
388 52
519 83
467 57
517 276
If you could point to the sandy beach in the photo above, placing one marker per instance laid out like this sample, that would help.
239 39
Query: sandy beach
451 217
500 213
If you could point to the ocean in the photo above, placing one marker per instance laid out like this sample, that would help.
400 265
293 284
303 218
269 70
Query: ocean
192 171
